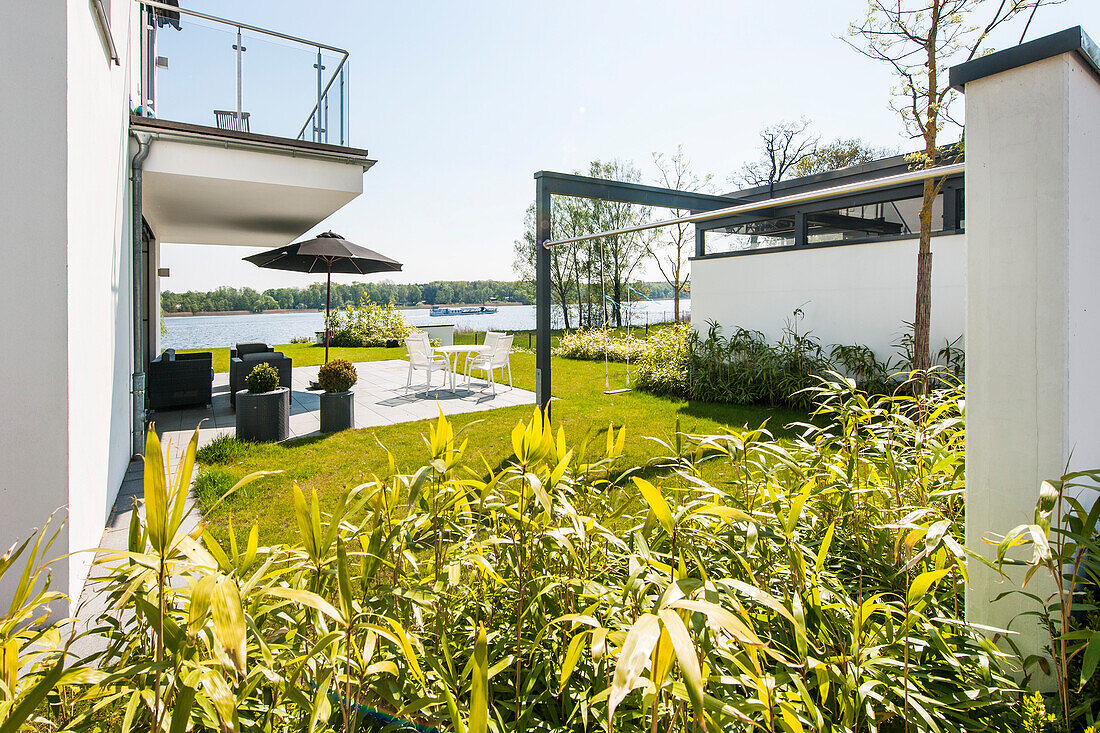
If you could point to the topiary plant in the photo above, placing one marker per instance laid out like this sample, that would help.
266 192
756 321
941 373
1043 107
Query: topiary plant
337 376
264 378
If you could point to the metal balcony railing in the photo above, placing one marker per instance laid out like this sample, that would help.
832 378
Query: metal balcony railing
205 70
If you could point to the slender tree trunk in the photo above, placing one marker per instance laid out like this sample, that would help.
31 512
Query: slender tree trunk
563 296
577 274
921 322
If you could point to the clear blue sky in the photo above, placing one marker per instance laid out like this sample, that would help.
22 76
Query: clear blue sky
462 102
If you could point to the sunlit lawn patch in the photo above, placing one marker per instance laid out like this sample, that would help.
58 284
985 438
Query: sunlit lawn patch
333 463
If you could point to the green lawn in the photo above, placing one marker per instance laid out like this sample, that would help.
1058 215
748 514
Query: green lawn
312 355
332 463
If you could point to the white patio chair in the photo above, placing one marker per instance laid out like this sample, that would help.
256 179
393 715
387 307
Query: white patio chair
489 362
491 338
421 358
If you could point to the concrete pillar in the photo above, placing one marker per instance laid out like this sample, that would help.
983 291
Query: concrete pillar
1033 293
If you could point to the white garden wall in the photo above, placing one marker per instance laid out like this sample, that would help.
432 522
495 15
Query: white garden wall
850 294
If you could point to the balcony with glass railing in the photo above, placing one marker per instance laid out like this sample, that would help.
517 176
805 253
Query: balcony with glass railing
204 70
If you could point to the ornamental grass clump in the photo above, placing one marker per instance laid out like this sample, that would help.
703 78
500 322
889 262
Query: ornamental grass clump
746 369
262 378
337 376
817 584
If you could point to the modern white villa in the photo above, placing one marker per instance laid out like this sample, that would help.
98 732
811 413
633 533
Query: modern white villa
110 149
123 152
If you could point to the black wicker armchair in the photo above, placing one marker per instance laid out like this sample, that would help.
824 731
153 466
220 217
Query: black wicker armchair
179 380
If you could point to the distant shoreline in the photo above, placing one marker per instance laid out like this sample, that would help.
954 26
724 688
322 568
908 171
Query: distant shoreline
184 314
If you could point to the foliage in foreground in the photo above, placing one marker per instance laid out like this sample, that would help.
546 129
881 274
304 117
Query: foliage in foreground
820 586
1064 542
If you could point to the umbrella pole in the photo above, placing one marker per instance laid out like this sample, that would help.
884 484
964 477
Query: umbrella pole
328 299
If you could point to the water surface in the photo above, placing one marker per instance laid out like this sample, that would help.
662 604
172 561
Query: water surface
196 332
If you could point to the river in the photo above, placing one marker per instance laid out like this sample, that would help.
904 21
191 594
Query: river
197 332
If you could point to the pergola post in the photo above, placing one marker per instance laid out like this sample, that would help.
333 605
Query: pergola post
542 295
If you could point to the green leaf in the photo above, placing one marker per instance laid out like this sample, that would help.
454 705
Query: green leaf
632 658
33 698
572 655
344 578
922 583
181 707
723 619
452 710
1092 657
307 598
657 503
228 615
823 551
156 491
686 656
479 685
305 526
728 513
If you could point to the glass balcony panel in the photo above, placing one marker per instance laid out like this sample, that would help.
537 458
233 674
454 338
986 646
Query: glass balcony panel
195 74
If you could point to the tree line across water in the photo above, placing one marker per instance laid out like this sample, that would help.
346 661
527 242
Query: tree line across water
437 292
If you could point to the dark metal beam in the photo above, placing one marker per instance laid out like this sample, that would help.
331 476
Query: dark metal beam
842 222
801 229
568 184
542 295
951 195
813 207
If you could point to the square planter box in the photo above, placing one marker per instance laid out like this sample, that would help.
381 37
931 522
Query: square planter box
263 417
337 411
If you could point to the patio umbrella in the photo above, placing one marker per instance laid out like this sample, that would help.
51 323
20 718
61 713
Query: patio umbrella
328 253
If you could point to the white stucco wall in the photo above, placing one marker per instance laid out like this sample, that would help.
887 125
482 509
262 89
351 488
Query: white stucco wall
34 382
65 282
1033 310
99 283
851 294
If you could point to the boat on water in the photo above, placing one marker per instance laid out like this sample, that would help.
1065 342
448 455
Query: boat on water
474 310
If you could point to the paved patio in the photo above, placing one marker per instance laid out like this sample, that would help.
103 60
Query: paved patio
380 399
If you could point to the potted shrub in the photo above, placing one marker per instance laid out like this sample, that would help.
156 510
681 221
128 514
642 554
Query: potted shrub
263 409
337 402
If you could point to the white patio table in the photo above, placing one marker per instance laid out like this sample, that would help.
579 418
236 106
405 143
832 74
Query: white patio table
452 353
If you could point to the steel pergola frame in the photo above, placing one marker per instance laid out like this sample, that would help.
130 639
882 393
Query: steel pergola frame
708 212
548 184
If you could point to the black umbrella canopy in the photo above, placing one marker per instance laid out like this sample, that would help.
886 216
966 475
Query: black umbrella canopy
328 252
